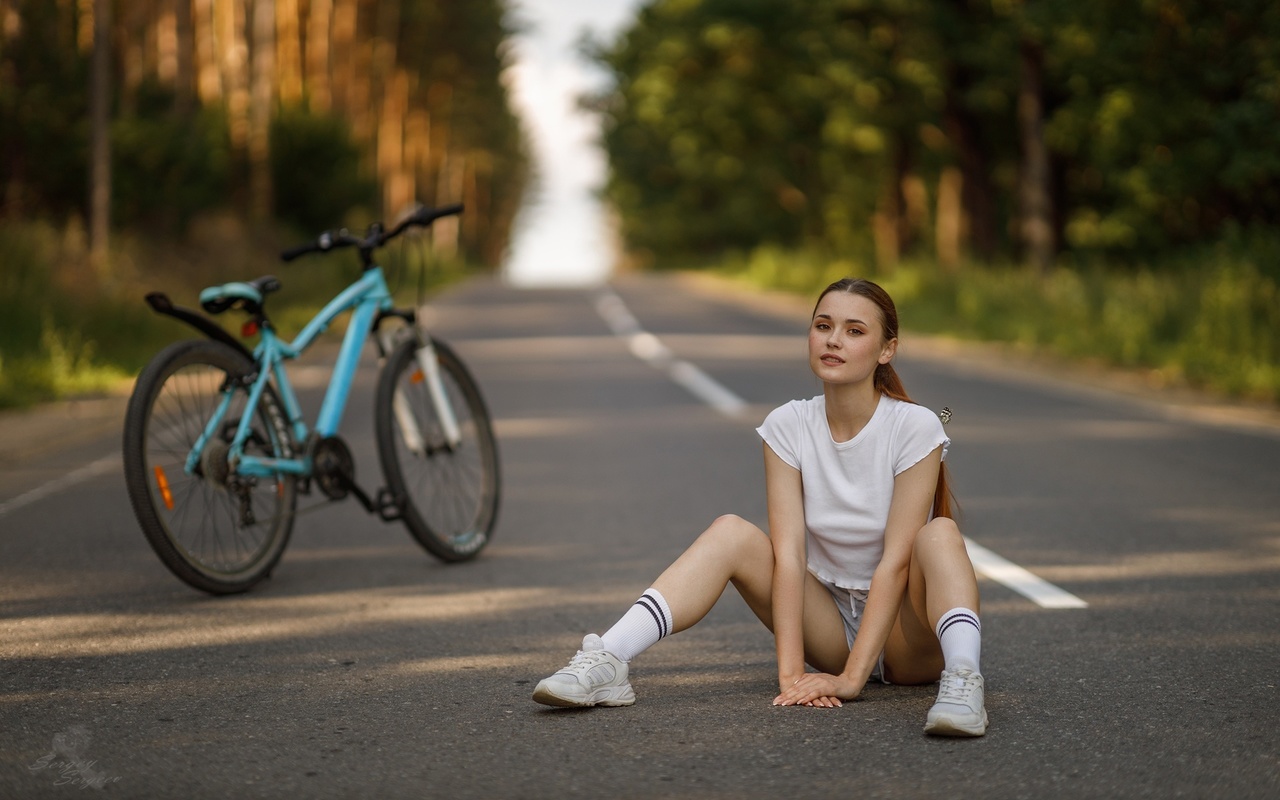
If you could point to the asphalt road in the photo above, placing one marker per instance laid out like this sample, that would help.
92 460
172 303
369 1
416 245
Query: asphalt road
363 668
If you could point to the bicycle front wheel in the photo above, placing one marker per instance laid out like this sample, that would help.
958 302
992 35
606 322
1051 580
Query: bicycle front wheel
217 531
447 493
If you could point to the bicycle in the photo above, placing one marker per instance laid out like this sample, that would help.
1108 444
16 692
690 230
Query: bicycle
216 451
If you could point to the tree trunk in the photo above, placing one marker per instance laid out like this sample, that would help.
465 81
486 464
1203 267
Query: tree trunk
319 37
100 138
229 16
949 228
1035 193
892 225
185 78
977 195
397 181
260 107
289 51
208 71
392 83
444 233
345 73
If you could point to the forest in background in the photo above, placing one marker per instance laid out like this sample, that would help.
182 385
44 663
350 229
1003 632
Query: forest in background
297 110
1095 179
170 143
987 129
1090 177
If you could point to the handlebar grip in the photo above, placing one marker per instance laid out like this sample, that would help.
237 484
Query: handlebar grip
300 250
425 216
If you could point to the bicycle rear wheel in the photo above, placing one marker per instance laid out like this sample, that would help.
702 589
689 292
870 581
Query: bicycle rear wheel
219 532
448 494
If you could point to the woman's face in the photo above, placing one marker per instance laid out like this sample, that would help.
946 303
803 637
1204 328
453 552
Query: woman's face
846 339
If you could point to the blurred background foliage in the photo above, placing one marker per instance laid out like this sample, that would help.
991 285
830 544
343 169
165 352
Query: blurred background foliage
1095 179
234 128
1086 177
905 125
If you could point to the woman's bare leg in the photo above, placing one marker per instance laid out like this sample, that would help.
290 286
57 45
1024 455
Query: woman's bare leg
941 587
734 551
941 579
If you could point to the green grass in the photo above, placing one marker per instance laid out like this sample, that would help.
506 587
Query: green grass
67 330
1208 319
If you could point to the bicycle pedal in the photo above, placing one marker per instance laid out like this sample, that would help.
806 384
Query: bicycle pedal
390 507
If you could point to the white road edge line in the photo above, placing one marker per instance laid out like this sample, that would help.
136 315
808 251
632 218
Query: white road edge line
650 349
1032 587
100 467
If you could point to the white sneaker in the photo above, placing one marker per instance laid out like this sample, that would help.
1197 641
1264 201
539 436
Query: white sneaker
594 677
959 710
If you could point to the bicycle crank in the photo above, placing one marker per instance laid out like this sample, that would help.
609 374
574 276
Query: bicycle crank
334 470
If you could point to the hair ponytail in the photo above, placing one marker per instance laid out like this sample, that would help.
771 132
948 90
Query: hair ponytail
886 379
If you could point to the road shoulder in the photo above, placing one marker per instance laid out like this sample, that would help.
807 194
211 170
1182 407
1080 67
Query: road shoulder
30 433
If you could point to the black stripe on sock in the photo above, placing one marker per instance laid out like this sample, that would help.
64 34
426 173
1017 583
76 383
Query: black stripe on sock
657 618
651 605
952 620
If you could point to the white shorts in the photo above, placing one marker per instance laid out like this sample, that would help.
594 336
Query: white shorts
852 603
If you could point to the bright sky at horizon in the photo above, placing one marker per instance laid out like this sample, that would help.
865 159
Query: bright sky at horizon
562 235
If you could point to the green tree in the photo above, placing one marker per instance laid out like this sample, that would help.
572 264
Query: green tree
1168 120
43 96
1023 127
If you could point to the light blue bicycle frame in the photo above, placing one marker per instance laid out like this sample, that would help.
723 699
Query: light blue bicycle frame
368 296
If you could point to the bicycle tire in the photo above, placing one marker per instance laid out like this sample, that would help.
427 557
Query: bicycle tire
448 497
218 533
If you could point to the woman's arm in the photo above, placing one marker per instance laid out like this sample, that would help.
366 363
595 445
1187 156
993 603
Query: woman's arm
786 532
908 512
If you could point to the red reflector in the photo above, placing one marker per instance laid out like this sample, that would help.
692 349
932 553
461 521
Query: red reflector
250 328
162 483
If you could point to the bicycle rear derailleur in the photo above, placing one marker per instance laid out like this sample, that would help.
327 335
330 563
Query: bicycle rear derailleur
334 471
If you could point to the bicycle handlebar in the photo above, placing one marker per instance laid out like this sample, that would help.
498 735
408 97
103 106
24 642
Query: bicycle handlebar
376 236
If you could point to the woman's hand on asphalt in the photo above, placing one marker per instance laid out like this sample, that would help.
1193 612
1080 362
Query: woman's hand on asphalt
817 690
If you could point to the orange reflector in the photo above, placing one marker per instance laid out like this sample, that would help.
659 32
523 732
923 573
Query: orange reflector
248 329
417 376
163 483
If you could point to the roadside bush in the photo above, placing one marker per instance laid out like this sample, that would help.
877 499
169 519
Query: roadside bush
315 171
168 167
44 352
1209 318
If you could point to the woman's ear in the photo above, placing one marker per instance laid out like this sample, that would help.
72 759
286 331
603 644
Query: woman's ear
890 349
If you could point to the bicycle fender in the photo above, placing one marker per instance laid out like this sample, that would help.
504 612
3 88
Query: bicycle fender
161 304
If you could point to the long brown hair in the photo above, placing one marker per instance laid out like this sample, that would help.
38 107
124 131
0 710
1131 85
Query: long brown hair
886 379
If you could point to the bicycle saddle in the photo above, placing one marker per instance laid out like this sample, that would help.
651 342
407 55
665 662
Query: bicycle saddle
248 295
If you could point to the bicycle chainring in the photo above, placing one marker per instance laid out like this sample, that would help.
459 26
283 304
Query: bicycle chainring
333 470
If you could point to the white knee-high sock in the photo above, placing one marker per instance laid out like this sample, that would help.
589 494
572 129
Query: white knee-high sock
960 634
640 628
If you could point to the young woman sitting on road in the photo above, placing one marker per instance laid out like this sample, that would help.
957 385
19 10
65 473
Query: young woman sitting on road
863 575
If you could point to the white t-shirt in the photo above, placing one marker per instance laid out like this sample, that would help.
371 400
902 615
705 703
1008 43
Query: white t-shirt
848 485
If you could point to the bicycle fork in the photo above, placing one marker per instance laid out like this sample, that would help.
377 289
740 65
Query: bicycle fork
429 367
